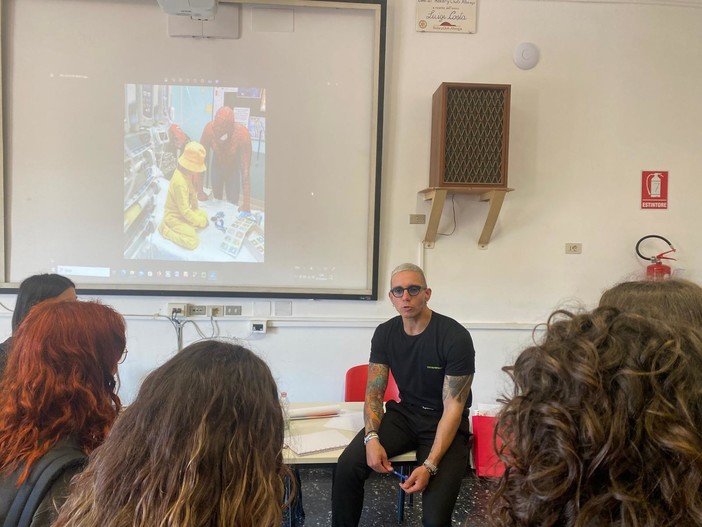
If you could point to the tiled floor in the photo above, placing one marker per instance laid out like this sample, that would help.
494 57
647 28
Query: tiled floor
380 501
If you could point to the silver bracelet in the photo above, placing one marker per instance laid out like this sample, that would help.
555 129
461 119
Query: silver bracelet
431 467
370 436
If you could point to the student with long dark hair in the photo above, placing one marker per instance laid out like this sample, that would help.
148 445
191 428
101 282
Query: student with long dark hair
59 392
201 445
674 300
31 291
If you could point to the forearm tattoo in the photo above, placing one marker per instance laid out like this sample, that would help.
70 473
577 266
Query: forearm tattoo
375 390
457 387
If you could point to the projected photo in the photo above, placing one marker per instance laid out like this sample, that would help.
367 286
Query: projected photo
194 173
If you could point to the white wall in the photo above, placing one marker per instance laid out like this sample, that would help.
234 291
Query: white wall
616 92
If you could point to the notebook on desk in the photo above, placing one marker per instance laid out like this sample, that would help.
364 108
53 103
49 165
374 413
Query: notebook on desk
306 444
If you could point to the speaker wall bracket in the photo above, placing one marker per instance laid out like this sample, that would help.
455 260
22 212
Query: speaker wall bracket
437 195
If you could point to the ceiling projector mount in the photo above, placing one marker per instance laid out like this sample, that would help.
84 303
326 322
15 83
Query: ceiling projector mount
195 9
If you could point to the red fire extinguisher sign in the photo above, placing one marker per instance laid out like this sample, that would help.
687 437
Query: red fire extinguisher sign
654 189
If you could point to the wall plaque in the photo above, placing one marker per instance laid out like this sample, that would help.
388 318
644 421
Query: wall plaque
446 16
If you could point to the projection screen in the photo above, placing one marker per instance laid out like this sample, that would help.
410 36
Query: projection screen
250 162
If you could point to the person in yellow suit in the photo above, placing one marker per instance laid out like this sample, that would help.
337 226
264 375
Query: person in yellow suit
182 216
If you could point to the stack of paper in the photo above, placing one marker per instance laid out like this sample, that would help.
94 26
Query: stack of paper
311 412
305 444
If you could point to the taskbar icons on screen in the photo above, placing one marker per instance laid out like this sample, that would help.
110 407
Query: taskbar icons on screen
166 274
128 275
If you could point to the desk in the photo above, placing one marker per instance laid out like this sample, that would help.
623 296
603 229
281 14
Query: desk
351 414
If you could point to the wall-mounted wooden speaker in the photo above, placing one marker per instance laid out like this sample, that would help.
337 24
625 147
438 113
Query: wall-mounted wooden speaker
470 136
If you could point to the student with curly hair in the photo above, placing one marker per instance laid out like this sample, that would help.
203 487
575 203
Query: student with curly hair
58 394
604 426
200 446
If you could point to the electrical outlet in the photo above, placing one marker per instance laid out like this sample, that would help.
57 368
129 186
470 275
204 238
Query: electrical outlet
232 311
197 310
179 310
573 248
258 326
418 219
215 311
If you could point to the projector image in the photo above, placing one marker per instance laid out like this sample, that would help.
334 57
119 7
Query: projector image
196 9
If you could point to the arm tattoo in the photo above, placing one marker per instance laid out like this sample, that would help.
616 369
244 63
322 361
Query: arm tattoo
375 391
457 387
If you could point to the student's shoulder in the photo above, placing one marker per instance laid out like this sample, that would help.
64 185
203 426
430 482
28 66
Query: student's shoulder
47 511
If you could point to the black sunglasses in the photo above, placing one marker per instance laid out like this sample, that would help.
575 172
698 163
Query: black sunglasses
413 290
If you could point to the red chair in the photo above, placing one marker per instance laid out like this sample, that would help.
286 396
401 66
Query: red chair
355 391
355 388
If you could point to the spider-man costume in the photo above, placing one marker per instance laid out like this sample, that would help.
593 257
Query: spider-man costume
230 144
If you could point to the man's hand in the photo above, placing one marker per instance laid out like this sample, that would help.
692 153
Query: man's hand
376 458
418 480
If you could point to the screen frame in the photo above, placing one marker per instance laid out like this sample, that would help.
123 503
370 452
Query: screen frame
379 10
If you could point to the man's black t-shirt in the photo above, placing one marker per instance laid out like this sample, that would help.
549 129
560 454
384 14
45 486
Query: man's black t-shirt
419 363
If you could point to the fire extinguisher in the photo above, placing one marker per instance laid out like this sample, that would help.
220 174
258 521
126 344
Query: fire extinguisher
657 270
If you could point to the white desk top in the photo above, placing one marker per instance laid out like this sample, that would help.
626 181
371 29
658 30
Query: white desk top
348 423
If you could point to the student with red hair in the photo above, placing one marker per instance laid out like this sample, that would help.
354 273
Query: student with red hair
59 393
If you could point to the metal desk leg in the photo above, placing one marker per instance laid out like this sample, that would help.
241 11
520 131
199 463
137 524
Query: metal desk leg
287 511
400 506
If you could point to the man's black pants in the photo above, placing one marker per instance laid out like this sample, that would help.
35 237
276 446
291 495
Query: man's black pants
404 427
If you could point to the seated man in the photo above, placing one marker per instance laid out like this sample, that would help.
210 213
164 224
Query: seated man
182 215
432 359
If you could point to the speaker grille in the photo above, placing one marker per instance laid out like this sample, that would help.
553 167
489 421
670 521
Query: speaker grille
474 138
470 135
